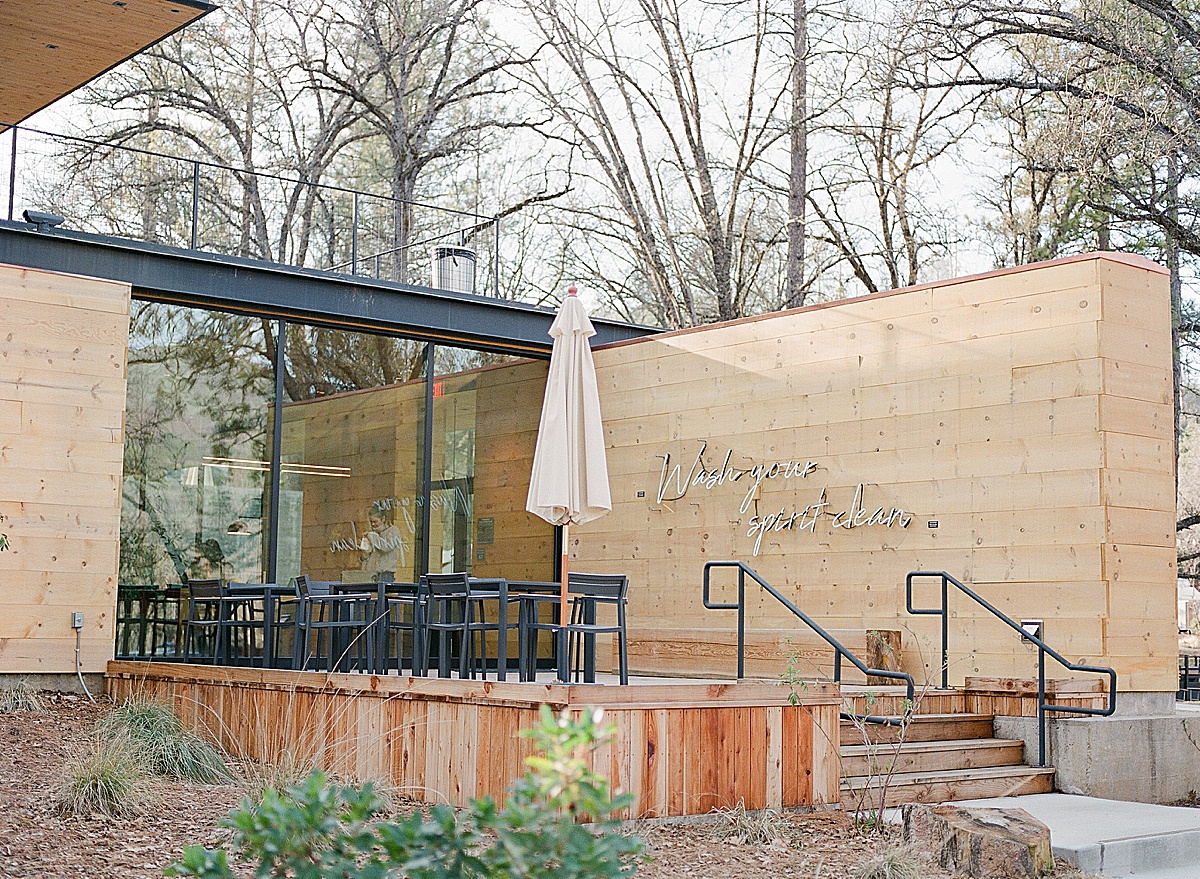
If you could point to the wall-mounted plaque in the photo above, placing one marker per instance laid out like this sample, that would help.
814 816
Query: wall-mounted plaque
485 532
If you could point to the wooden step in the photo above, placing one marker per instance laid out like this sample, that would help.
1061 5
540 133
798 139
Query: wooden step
941 787
921 728
931 756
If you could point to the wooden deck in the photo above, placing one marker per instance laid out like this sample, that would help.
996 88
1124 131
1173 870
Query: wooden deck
681 747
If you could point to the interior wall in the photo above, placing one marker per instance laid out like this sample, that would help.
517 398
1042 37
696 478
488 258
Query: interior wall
376 435
63 342
1013 429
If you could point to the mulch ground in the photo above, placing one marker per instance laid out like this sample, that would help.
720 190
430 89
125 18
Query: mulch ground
36 840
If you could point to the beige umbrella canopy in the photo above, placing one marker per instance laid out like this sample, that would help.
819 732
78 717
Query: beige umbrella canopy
569 483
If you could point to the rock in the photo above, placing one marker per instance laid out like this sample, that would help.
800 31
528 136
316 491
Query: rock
982 843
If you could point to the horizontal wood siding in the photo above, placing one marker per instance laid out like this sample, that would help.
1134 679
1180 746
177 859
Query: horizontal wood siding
1027 414
62 405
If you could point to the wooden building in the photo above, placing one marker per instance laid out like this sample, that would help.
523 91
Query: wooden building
1013 430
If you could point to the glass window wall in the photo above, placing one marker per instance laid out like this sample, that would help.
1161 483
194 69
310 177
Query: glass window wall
200 385
389 465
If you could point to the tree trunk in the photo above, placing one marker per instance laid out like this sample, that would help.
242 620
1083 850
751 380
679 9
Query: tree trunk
798 180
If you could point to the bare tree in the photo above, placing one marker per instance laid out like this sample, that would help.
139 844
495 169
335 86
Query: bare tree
222 93
1036 209
665 103
1121 77
798 153
426 79
887 138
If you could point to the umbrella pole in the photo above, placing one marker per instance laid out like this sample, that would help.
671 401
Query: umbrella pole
564 661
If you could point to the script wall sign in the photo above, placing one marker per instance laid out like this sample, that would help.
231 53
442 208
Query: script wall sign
673 486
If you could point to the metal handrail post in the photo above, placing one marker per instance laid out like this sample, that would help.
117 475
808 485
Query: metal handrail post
195 204
945 634
1041 707
741 624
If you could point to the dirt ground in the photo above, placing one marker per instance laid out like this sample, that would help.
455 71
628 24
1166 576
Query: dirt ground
35 840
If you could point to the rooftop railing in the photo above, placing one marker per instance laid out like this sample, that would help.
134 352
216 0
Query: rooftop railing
144 195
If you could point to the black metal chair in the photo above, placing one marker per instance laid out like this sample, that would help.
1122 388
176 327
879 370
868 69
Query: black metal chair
257 617
342 622
453 608
133 606
400 610
204 635
575 642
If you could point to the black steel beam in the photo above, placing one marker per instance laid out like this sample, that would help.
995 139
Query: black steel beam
196 278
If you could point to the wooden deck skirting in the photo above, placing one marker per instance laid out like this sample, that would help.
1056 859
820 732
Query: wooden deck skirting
680 748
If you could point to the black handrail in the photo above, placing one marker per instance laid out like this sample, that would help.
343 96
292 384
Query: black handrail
839 649
1043 650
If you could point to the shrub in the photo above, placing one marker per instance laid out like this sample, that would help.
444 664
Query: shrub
20 696
161 740
105 781
321 830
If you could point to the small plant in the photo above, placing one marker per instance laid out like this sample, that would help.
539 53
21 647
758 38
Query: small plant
895 862
163 743
321 830
106 781
762 827
18 697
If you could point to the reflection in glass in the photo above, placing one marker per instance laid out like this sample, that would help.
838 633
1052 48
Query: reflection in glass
485 418
195 466
353 427
354 501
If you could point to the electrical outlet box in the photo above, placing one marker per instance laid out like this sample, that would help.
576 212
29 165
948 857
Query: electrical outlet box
76 619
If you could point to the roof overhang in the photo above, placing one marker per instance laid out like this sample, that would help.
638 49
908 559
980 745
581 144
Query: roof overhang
246 286
52 47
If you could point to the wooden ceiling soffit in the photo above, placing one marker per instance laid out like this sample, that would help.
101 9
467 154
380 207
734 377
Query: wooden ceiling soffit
52 47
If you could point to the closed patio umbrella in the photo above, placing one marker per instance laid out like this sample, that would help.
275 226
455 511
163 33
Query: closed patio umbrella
569 482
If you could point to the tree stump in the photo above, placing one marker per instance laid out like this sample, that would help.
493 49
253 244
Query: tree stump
982 843
883 651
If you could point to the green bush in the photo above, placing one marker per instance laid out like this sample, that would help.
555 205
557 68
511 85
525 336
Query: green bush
322 831
165 745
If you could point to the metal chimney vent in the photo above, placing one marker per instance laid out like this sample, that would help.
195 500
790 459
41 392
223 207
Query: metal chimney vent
454 268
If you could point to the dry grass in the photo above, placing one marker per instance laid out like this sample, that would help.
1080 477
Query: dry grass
893 862
20 696
759 827
165 745
107 780
279 775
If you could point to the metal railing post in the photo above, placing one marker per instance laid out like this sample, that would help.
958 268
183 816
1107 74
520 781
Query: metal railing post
1041 707
354 236
945 635
496 258
12 174
741 624
195 205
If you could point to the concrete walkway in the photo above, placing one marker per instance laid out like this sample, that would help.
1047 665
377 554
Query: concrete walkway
1113 838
